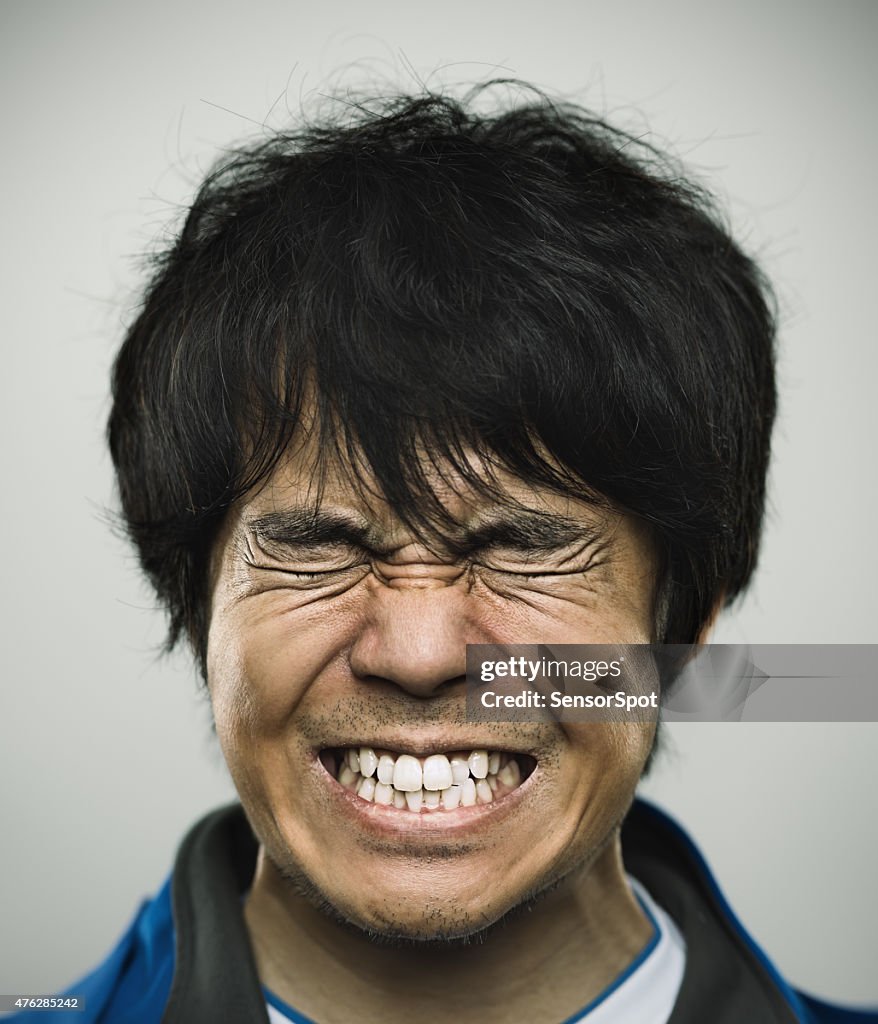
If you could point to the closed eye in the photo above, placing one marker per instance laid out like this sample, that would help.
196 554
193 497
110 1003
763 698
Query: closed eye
571 561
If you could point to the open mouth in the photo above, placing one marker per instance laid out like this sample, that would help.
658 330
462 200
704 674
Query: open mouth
438 782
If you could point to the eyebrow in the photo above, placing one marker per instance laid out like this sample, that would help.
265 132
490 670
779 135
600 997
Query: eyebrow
523 529
530 530
310 527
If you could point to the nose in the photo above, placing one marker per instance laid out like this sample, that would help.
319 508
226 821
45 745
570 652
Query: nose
414 638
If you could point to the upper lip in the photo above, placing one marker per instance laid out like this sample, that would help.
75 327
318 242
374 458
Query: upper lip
423 746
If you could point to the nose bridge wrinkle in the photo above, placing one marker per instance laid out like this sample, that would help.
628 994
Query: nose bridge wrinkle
420 574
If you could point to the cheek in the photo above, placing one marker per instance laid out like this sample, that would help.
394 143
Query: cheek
253 696
253 693
631 743
604 767
606 763
236 713
266 661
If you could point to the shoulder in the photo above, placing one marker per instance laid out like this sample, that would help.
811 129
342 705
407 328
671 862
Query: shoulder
726 971
131 985
158 958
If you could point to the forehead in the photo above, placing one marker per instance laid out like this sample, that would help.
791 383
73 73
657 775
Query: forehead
444 498
456 508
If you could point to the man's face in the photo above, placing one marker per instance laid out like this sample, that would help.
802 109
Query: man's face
335 630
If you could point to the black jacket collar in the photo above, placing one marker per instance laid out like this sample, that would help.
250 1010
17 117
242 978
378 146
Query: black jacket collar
726 980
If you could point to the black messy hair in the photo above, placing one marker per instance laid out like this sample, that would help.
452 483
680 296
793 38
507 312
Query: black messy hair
410 276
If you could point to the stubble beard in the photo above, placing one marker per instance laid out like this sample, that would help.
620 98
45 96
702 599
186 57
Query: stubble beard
439 930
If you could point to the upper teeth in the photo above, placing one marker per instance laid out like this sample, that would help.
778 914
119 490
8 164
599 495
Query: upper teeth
407 775
407 781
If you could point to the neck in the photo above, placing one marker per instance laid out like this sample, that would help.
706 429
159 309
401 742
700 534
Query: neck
542 965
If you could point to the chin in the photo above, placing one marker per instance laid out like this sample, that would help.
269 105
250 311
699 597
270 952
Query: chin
400 915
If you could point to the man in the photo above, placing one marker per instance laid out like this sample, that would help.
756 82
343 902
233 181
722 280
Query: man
413 378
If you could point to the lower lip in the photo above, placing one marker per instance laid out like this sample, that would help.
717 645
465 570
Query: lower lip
388 820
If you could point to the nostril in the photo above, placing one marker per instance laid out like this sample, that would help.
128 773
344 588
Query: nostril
417 695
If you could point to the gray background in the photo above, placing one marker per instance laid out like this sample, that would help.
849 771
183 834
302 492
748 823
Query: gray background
110 111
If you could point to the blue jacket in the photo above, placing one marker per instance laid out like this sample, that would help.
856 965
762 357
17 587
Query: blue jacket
186 958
